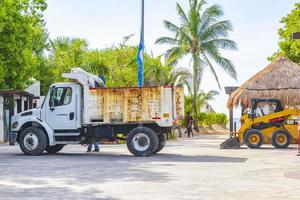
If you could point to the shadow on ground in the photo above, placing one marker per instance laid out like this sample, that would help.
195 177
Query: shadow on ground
160 157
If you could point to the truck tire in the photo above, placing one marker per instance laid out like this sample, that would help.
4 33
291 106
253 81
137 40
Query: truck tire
54 149
162 140
253 138
281 139
142 141
33 141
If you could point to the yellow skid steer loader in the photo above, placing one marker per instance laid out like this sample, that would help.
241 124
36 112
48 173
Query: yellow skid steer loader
266 123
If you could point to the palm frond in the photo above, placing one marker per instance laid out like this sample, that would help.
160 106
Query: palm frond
212 70
182 15
200 5
216 30
209 16
227 66
166 40
181 76
171 27
214 11
224 63
221 43
173 55
181 73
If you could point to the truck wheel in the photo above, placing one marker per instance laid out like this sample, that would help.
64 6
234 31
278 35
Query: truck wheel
142 141
253 138
54 149
162 139
33 141
281 139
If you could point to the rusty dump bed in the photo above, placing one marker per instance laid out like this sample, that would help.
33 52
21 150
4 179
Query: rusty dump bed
133 104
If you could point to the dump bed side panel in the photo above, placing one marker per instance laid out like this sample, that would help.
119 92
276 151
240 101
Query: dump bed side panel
162 105
179 103
124 105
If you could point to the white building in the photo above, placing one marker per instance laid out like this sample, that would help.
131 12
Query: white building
16 101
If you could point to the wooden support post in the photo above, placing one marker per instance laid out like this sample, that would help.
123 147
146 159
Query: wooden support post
229 91
30 102
11 113
298 140
231 120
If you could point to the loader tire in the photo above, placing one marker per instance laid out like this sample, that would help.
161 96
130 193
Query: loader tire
33 141
54 149
281 139
162 139
253 138
142 141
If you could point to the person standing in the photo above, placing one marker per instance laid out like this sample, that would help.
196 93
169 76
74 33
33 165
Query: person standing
189 122
96 147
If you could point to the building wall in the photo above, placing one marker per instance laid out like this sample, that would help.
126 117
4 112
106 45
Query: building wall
18 101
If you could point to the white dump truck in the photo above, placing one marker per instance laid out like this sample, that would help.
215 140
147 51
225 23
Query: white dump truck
79 112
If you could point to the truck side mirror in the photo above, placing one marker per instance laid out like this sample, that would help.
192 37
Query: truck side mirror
51 100
51 104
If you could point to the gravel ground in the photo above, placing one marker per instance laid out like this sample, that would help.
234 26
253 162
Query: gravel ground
186 169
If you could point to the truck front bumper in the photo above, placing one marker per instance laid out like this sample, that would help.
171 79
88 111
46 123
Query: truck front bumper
13 138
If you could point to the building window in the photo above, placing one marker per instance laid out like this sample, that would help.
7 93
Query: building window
25 105
19 105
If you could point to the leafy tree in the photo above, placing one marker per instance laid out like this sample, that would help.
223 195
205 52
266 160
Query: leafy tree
201 35
287 46
23 39
65 54
117 64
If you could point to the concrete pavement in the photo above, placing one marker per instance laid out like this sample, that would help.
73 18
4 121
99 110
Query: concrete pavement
185 169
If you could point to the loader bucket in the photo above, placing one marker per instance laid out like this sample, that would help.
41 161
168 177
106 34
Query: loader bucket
230 143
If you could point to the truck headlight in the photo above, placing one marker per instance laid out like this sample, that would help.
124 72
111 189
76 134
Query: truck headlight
14 125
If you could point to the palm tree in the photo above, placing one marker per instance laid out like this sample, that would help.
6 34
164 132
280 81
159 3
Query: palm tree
163 73
66 53
206 97
179 76
203 99
200 35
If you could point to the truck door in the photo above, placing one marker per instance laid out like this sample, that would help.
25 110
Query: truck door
61 108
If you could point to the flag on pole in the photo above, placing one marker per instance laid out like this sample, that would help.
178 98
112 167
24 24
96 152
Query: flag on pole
140 61
140 55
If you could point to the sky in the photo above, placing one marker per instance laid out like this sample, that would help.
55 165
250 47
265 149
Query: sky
105 22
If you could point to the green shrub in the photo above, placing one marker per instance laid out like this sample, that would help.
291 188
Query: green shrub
201 118
211 119
221 119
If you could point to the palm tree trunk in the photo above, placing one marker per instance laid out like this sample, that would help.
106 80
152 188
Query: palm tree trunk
196 87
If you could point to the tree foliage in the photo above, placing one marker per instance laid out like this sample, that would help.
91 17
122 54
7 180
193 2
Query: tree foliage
117 64
23 39
200 35
287 46
203 99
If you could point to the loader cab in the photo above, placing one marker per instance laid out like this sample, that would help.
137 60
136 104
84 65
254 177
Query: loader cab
262 107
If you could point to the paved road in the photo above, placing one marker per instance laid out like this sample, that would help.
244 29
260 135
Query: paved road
185 169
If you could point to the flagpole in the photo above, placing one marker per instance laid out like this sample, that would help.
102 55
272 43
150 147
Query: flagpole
141 49
142 39
143 18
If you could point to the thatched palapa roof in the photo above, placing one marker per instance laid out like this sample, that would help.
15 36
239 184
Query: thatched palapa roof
280 80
